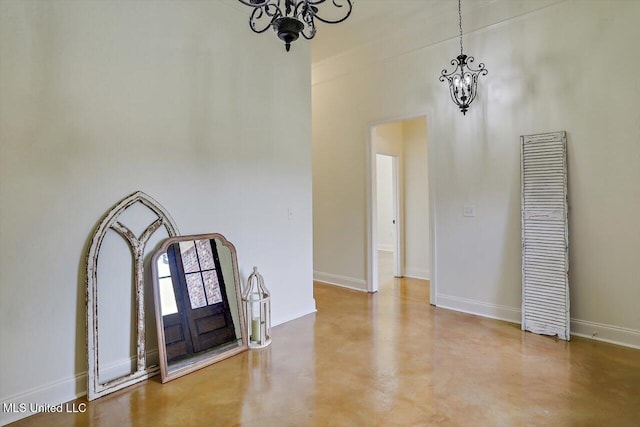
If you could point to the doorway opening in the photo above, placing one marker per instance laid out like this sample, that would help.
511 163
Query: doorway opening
400 204
388 247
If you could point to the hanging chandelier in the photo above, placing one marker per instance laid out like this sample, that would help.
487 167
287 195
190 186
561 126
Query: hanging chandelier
463 80
297 17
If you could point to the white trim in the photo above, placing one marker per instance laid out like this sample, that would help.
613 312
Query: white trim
385 248
65 390
480 308
342 281
431 176
398 212
417 273
371 282
52 393
582 328
276 321
606 333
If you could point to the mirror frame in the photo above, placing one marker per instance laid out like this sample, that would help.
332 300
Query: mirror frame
165 373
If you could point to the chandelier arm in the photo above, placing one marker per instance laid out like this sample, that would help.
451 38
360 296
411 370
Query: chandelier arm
474 92
481 67
336 3
472 97
290 18
302 10
256 17
305 14
462 104
455 100
456 65
277 12
312 26
266 5
254 5
480 70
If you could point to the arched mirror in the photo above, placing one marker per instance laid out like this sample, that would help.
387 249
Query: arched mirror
198 303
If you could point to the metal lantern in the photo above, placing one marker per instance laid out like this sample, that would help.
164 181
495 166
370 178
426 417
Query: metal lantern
256 300
463 80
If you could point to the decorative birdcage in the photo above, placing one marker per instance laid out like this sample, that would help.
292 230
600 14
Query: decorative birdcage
256 300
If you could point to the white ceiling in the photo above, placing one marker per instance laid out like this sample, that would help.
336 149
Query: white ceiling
373 20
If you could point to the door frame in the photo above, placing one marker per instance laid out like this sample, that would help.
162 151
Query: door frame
372 259
398 215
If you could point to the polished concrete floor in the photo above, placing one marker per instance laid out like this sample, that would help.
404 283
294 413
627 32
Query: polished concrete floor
389 359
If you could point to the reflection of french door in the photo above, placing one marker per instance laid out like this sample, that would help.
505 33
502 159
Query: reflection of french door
203 320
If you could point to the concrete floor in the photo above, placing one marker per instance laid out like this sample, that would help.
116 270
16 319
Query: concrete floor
389 359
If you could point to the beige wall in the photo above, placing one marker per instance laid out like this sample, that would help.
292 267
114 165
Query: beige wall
416 198
554 68
177 99
384 202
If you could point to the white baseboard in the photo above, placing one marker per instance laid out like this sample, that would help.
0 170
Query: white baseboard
280 321
417 273
581 328
484 309
16 407
343 281
607 333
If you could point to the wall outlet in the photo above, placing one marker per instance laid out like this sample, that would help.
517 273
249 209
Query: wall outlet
469 210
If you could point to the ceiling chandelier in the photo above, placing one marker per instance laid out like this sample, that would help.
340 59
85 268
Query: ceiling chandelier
463 80
296 18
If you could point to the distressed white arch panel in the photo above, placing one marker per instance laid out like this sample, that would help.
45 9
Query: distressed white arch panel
137 244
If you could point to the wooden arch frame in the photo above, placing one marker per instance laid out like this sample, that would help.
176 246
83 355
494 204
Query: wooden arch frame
137 245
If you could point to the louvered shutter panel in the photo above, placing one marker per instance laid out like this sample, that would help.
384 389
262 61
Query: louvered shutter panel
545 244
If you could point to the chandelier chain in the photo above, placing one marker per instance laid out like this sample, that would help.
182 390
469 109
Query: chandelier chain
460 23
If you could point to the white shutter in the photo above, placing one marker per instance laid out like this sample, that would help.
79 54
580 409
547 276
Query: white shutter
545 244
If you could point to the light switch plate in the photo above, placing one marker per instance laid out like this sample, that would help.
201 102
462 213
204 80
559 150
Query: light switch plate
469 210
